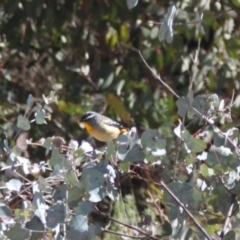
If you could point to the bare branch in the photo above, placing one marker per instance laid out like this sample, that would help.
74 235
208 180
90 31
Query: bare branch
126 225
164 186
123 234
158 76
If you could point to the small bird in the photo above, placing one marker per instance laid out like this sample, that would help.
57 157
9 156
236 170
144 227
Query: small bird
100 127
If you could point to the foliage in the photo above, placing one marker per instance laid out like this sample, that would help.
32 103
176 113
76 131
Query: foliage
167 71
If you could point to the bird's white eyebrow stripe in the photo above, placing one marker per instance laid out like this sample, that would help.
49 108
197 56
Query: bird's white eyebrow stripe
89 115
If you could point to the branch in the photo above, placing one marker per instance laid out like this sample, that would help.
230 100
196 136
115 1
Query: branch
126 225
123 234
185 209
164 186
209 121
158 76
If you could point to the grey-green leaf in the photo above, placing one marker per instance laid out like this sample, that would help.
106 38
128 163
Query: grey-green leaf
23 123
132 3
183 106
40 117
30 100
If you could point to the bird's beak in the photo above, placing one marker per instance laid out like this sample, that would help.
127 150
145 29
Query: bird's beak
81 124
76 119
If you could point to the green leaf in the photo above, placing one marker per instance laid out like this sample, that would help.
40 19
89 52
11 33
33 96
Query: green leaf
71 178
16 150
162 32
84 208
75 193
108 80
124 32
132 3
183 106
5 212
135 154
236 3
122 151
40 117
14 185
192 144
59 193
196 145
55 214
17 232
154 32
110 151
204 170
222 156
124 166
30 100
47 143
93 182
230 235
56 158
36 225
23 123
150 138
164 230
79 223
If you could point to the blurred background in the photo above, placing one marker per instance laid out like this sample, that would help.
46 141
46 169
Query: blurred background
87 52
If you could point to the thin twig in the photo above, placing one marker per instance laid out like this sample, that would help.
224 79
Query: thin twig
185 209
164 186
123 234
160 211
209 121
16 196
158 76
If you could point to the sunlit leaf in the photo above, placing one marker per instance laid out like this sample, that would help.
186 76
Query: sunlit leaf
40 117
118 107
23 123
154 32
30 100
204 170
124 32
71 178
16 150
14 185
132 3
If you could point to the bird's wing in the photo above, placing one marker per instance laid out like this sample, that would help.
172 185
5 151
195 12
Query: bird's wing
110 122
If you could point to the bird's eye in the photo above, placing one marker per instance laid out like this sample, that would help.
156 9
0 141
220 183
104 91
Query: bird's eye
87 115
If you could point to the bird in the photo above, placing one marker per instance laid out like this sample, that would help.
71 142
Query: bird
102 128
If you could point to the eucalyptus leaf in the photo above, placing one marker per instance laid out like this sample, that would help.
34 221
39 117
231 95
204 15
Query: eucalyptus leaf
14 185
18 232
183 106
135 154
132 3
71 178
30 100
40 117
23 123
